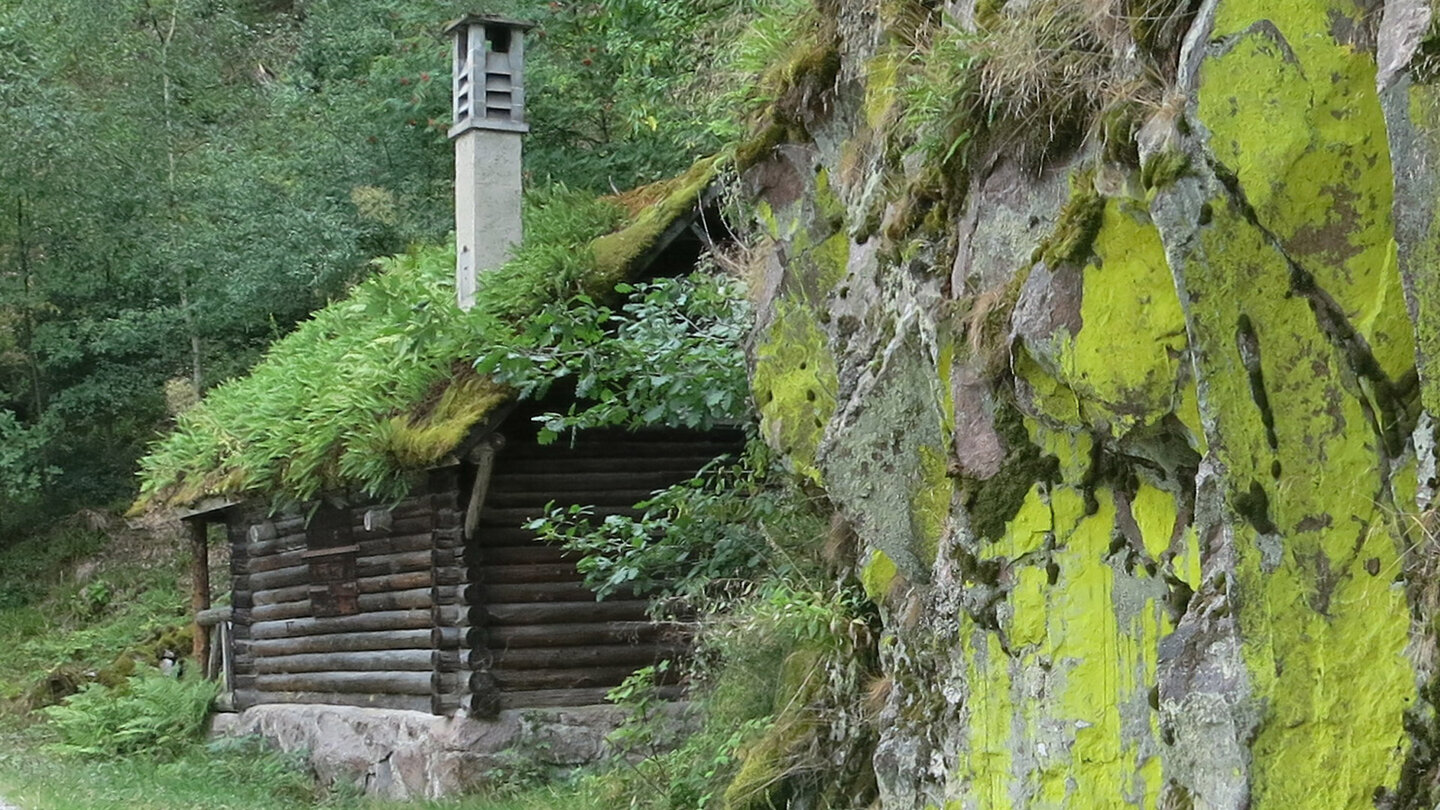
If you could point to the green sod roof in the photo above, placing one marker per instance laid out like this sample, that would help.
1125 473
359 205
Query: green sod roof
379 384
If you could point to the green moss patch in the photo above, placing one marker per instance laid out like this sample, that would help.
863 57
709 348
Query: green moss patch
795 384
995 501
1077 226
615 254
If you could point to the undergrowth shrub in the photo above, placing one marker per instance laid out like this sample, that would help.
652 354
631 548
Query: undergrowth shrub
779 683
152 715
785 645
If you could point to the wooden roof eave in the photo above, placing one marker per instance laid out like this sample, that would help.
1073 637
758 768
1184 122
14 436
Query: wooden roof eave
208 510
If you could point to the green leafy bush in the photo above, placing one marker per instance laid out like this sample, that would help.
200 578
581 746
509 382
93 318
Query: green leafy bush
669 354
152 716
735 521
785 650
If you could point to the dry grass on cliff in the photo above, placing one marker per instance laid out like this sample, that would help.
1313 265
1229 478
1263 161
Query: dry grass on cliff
1033 79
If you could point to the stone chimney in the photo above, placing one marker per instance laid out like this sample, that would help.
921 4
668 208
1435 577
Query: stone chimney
489 107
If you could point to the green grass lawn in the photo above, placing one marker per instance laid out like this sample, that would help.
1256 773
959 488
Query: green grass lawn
35 780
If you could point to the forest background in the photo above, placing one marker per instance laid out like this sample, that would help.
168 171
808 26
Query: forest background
182 181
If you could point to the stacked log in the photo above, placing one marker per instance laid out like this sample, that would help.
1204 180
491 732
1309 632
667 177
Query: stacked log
546 640
373 645
449 668
444 600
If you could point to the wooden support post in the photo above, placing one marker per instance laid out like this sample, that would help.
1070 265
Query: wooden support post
200 589
484 458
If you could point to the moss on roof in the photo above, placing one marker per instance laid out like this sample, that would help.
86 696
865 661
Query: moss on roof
381 383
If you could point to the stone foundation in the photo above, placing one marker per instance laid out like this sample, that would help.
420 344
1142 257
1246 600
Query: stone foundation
404 755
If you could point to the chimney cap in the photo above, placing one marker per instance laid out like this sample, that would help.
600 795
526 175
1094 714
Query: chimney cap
488 19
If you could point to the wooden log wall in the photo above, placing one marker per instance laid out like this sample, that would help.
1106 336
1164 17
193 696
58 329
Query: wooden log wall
538 637
342 606
394 607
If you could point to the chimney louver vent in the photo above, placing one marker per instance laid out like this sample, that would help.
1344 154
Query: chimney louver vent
489 90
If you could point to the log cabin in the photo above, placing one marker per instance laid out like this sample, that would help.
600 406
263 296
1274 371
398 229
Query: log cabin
443 601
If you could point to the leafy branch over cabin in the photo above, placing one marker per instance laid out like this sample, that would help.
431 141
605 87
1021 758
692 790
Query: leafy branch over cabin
375 487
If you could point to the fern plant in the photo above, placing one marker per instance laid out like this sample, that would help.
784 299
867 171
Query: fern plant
152 715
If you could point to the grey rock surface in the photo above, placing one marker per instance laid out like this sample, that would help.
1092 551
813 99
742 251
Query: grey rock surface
403 756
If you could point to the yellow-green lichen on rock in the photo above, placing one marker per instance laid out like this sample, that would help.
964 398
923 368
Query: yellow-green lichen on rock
1170 572
877 576
1293 302
1124 364
1323 638
1324 188
1120 357
1059 708
794 382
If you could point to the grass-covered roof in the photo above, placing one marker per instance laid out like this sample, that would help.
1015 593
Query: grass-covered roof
382 382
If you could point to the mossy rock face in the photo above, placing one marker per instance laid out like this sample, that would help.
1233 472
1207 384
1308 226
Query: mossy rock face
1183 585
794 383
885 465
993 502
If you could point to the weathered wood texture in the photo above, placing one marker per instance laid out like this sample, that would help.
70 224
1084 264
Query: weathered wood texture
536 630
199 587
368 641
438 602
245 698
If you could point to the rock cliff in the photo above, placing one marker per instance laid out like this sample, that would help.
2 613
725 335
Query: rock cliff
1122 360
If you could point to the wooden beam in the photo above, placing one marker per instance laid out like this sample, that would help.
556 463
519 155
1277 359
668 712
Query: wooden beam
413 639
368 603
563 612
634 655
199 588
366 661
564 635
380 683
360 623
213 616
484 458
245 698
593 696
531 572
516 680
381 584
530 592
